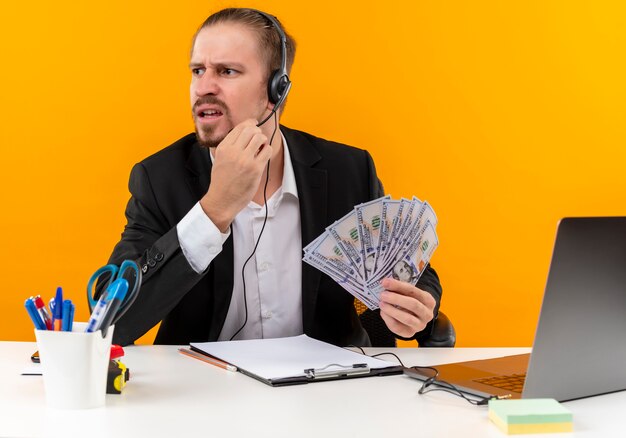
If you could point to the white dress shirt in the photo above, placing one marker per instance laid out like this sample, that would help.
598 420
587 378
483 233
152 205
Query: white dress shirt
273 276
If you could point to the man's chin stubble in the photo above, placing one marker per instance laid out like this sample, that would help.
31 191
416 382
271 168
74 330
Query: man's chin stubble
206 139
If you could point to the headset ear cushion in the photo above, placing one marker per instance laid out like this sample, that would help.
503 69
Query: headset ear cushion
277 86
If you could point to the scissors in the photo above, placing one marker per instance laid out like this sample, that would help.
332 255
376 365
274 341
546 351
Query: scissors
115 273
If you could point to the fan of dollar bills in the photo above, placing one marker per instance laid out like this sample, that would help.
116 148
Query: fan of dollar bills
378 239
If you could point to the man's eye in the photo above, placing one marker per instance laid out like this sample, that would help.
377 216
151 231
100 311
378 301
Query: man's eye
197 71
229 72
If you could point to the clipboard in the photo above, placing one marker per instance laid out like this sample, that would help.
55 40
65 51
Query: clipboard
295 360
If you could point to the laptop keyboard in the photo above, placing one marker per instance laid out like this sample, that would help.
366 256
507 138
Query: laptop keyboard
512 382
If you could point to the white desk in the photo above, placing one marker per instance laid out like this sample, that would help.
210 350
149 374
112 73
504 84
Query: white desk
173 395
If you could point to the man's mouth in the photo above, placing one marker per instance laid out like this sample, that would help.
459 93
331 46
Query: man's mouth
209 111
209 114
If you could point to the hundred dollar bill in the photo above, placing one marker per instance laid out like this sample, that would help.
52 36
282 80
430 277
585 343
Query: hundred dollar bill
388 217
326 251
325 254
405 219
346 234
394 234
314 243
369 222
355 289
346 282
410 266
398 237
424 214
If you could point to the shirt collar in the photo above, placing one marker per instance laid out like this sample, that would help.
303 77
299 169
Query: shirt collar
289 178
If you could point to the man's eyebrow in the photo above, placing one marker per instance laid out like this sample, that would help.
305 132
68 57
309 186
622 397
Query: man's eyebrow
221 64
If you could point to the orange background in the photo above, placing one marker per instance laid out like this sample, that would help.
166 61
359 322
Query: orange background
506 116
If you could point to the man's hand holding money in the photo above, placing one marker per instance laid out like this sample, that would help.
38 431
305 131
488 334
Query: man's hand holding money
406 309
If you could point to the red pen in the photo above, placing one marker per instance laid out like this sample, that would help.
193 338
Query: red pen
41 308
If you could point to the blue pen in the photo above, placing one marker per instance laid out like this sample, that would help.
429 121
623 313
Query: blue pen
68 315
51 306
107 305
114 306
58 309
70 325
34 315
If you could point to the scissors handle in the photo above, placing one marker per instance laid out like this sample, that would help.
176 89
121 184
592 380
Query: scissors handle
112 269
115 273
132 294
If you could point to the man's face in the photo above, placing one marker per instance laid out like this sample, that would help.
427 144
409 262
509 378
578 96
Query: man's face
228 81
402 271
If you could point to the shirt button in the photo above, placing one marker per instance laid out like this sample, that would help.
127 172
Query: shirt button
213 250
264 266
267 315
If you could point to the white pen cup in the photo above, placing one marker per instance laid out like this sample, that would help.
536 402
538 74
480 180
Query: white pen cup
74 366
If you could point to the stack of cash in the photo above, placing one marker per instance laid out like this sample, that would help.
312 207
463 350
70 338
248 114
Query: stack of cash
378 239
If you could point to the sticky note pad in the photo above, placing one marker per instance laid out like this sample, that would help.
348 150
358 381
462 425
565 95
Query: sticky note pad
539 415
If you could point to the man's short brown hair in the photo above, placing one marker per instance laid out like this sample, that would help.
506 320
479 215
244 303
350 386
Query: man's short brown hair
268 36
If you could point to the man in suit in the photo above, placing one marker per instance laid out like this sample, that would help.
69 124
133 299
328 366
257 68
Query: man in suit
217 221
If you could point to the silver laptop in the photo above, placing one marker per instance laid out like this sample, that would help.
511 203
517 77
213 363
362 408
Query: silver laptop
580 343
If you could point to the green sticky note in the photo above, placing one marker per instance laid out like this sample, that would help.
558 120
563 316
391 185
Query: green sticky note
530 411
526 416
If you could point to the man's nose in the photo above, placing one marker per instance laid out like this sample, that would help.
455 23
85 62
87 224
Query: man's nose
207 84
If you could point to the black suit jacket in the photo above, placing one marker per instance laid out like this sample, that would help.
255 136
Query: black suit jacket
331 179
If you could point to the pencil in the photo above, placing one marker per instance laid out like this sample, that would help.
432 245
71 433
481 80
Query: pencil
207 359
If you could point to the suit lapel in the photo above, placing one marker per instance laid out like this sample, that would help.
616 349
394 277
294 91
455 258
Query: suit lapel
199 179
312 194
199 167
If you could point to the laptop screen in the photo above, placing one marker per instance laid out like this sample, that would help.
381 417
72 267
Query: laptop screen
580 343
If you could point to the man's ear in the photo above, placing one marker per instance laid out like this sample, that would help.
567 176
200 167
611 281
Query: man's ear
271 106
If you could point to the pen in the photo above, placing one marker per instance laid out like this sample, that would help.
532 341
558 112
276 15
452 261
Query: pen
43 312
118 288
58 309
34 315
115 292
68 315
51 306
207 359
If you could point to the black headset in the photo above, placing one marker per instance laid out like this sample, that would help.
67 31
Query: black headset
279 83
